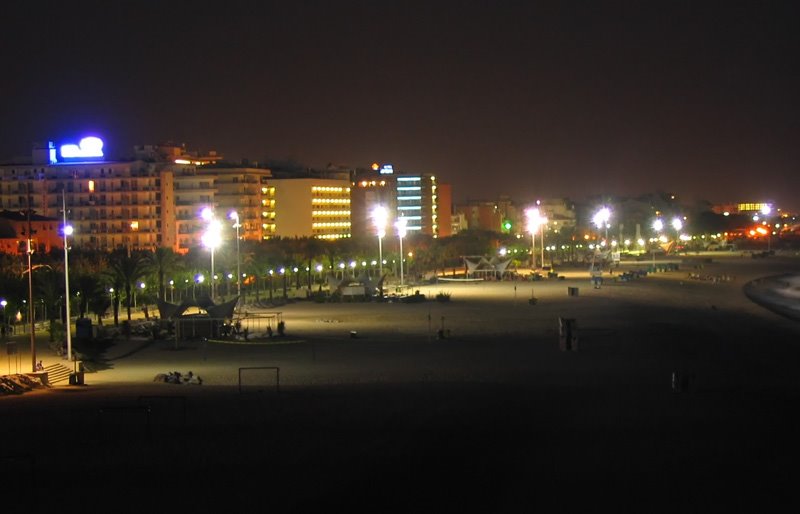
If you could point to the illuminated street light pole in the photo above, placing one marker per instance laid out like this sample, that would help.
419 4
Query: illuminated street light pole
235 217
601 218
211 239
401 233
31 313
534 222
658 226
3 304
379 218
677 224
67 232
543 221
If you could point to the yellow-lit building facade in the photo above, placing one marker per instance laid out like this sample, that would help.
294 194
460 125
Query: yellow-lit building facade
311 207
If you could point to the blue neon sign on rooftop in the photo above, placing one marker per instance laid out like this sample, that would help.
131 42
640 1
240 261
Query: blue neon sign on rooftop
89 148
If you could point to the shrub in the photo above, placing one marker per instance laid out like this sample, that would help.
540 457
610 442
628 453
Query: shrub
441 296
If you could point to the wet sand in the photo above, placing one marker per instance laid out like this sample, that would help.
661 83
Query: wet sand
494 417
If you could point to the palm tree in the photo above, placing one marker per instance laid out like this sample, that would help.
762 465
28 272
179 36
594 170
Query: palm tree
49 284
87 287
311 248
98 305
126 271
162 261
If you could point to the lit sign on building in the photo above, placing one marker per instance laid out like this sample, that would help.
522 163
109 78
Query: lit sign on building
89 148
387 169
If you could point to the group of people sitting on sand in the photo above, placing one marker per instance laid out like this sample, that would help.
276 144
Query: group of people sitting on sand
175 377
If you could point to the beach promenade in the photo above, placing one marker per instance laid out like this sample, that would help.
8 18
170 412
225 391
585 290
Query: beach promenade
376 411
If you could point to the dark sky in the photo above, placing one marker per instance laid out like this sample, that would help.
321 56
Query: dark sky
536 100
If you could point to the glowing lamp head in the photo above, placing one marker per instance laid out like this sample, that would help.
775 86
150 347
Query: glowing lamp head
401 224
207 214
212 237
534 218
379 217
677 224
658 225
601 218
68 230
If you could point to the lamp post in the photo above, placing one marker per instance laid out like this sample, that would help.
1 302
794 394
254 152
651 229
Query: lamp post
211 239
601 218
31 313
67 232
379 217
658 226
543 223
534 221
3 320
235 217
677 224
402 223
198 279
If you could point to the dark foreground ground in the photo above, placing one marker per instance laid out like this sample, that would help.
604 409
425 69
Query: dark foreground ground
478 423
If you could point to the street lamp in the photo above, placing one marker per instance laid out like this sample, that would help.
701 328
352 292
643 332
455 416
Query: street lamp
67 232
401 233
658 226
3 304
211 239
677 224
379 218
141 286
601 218
198 279
534 221
542 224
235 217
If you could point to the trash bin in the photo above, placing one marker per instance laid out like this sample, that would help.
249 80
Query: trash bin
76 378
572 291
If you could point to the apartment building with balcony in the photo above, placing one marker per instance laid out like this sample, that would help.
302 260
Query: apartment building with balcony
150 201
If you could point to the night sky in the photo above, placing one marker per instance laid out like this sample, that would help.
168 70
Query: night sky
546 99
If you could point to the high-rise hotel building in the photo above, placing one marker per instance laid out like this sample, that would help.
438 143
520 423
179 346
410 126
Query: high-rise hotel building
155 199
418 198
